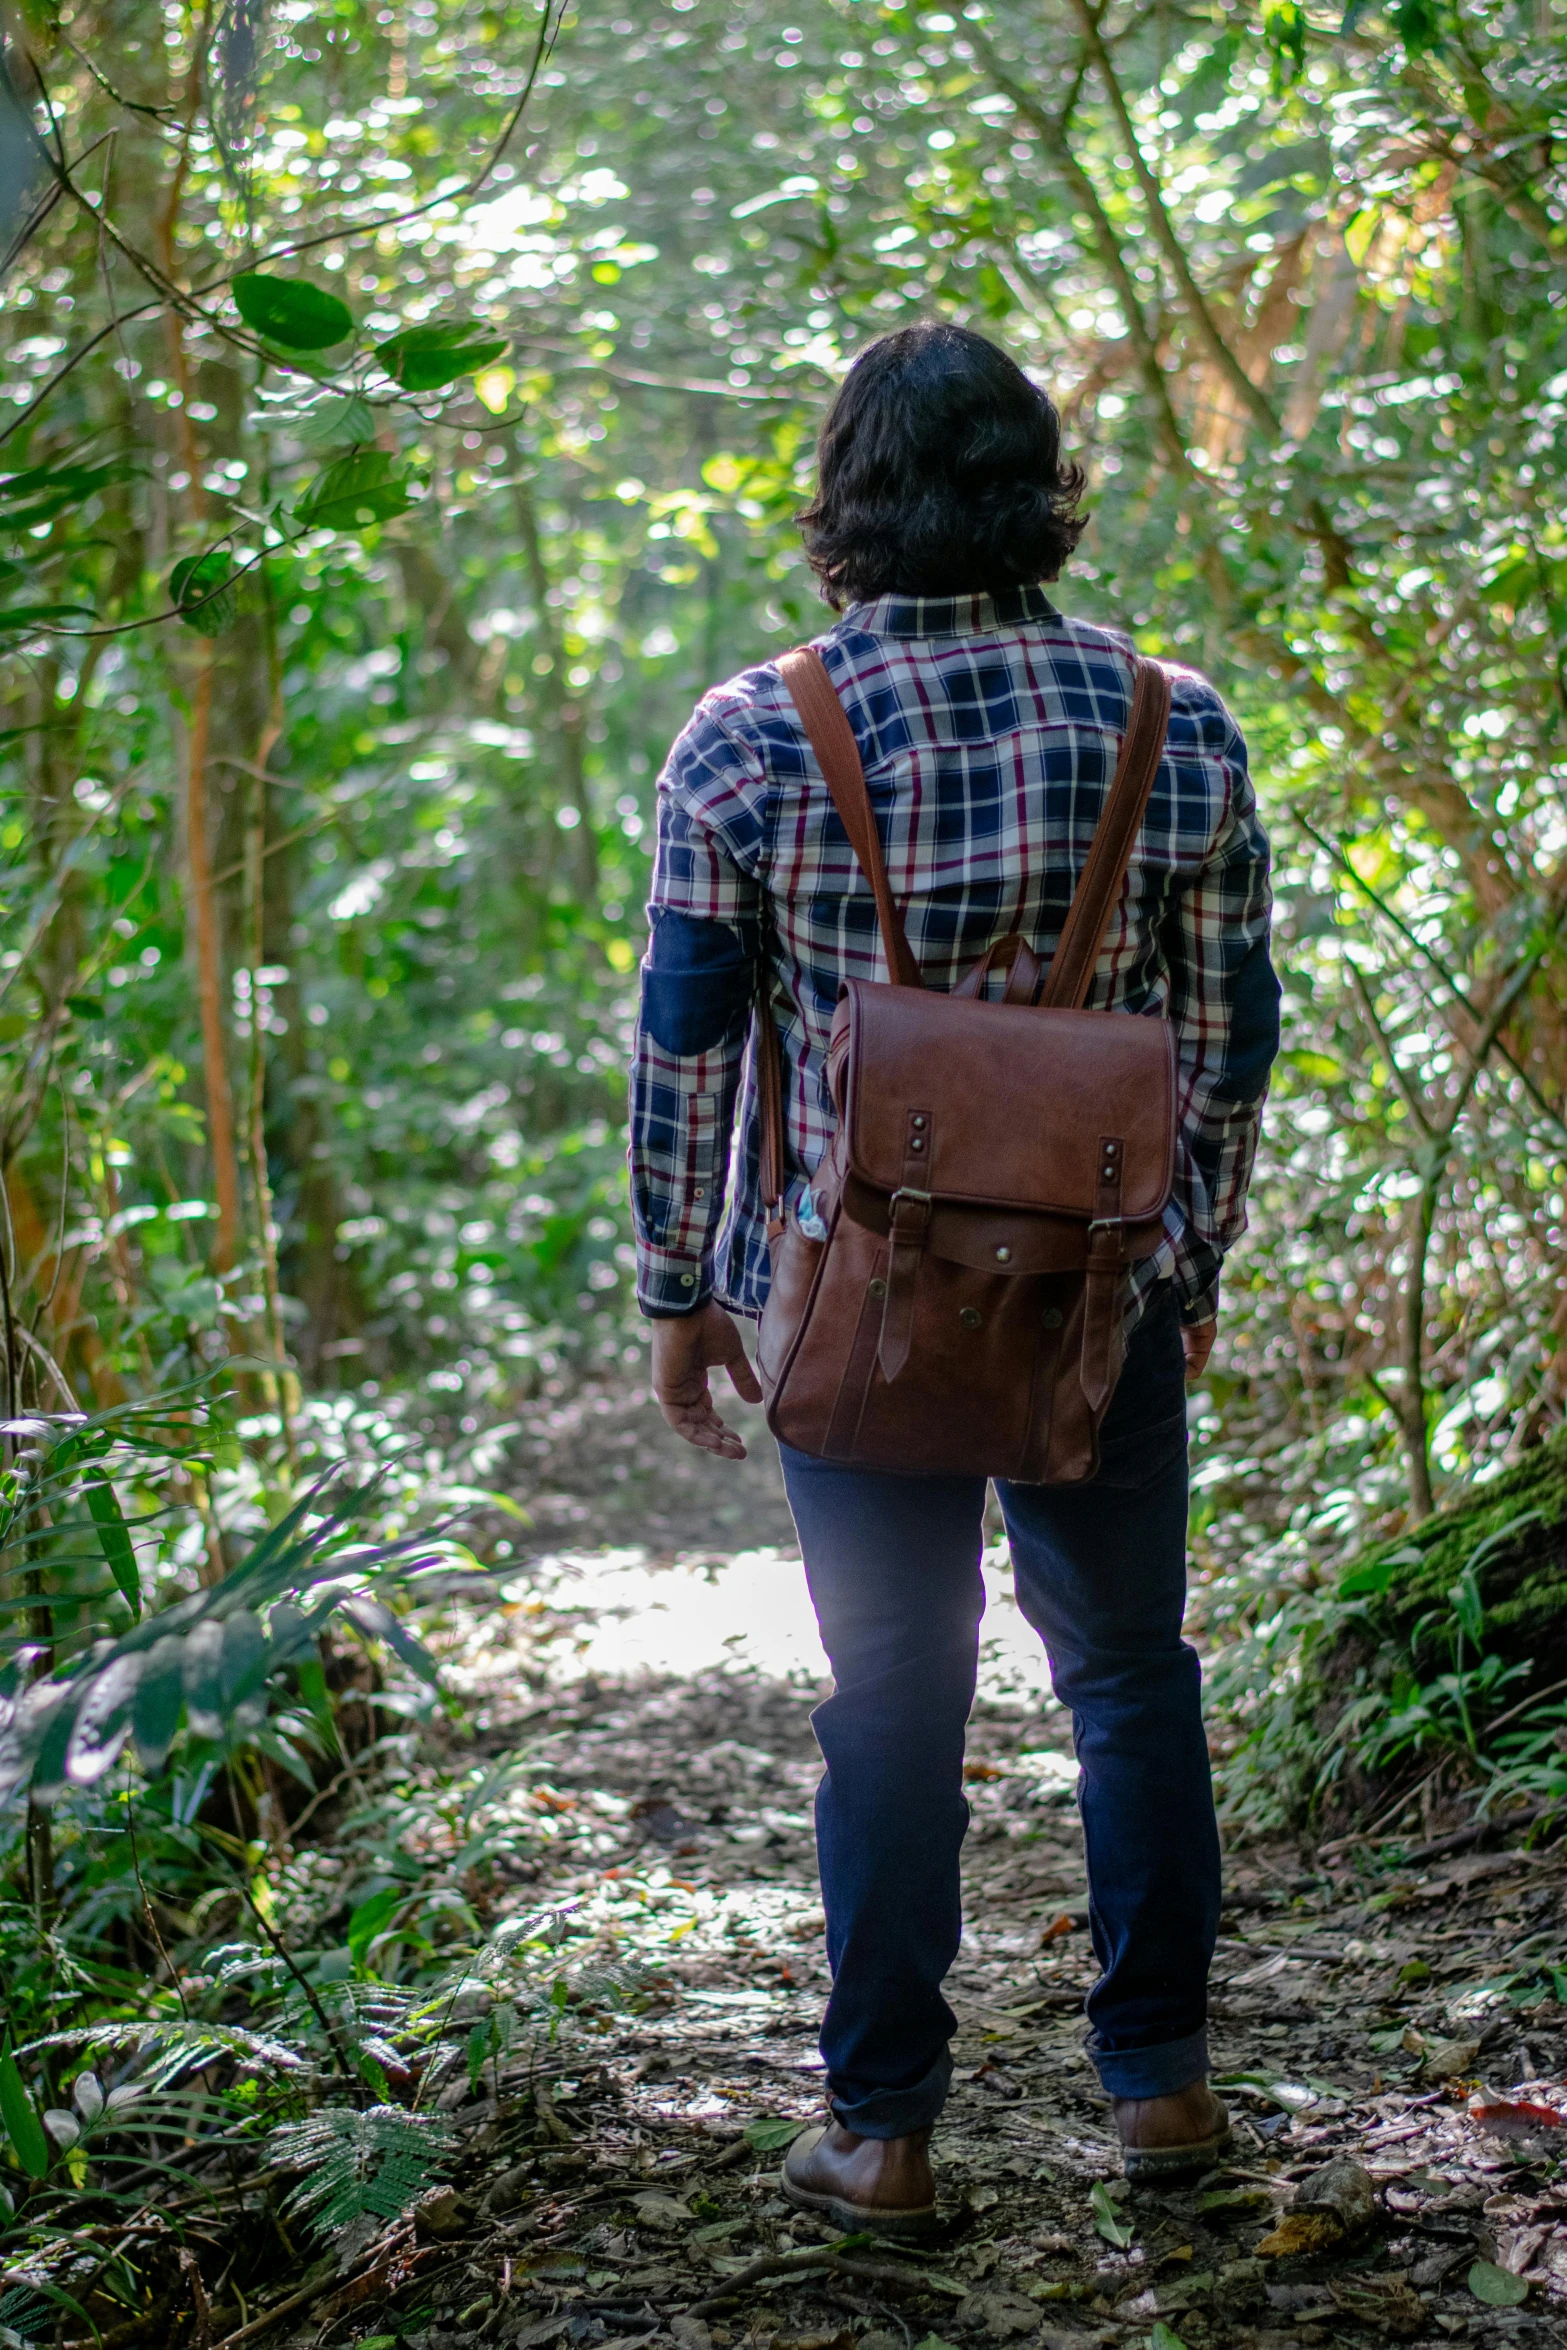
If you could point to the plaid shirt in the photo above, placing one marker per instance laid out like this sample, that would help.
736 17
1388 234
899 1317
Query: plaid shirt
988 727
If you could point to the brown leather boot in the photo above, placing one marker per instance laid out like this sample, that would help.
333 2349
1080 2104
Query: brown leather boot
881 2183
1175 2136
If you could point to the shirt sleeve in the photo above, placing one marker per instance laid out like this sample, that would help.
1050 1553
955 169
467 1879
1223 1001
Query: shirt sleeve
698 984
1224 1003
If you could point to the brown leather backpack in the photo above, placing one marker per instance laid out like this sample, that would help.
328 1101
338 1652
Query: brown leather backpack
996 1169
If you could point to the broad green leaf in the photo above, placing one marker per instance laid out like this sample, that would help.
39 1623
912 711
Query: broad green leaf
771 2132
246 1656
354 492
1162 2338
317 1696
1107 2220
114 1536
48 1779
201 1665
291 311
376 1620
1497 2286
1468 1607
1373 1579
20 2117
30 616
348 420
369 1918
46 490
423 358
200 589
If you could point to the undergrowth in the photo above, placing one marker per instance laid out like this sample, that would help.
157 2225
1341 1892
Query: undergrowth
1366 1681
240 1929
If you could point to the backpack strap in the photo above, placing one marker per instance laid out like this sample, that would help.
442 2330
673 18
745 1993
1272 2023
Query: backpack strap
837 754
1099 884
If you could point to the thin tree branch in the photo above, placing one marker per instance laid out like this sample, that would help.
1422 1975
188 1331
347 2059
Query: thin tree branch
1174 251
1052 130
1401 1079
1449 979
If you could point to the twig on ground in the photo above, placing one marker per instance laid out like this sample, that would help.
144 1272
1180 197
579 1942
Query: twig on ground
789 2264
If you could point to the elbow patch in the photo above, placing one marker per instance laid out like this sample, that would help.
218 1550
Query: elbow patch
696 984
1254 1026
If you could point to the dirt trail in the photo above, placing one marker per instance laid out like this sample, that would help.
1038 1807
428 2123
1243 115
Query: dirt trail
645 1698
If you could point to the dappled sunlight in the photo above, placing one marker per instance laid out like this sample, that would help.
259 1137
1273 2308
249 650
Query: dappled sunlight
618 1615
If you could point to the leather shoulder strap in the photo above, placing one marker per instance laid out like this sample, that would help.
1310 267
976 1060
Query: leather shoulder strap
832 739
1099 884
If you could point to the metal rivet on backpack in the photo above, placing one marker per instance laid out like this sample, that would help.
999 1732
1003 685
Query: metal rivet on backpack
916 1144
971 1317
918 1124
878 1287
1003 1256
1051 1317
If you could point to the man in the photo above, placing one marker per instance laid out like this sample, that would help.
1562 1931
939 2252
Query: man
988 726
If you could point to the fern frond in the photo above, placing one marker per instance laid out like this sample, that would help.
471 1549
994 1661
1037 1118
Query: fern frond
176 2045
374 2164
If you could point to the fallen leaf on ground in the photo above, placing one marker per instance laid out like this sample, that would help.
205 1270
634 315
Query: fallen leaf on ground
662 2212
772 2133
439 2214
1232 2199
1447 2060
1301 2232
1002 2314
1498 2287
1107 2223
1391 2304
1509 2120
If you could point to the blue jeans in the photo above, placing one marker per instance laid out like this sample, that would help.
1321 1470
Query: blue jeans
893 1567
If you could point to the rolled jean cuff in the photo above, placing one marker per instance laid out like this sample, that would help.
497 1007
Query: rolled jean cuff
1151 2072
897 2113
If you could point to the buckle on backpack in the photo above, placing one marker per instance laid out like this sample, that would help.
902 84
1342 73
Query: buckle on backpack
908 1216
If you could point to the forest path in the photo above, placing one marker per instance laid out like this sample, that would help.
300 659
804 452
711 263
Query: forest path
638 1717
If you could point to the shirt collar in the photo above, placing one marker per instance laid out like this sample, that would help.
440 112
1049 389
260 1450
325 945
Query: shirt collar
897 615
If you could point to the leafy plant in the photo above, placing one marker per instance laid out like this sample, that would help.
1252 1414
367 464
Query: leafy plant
370 2164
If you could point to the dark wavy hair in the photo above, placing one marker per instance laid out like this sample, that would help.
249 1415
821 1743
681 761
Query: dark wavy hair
939 473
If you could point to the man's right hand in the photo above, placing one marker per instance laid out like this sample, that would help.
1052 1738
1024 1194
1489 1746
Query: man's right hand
1197 1344
685 1349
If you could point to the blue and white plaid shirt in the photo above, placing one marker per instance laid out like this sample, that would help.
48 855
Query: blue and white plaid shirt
989 729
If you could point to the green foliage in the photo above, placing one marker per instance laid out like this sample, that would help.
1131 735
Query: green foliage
770 2133
20 2118
426 358
1423 1651
1497 2287
364 488
291 311
207 1659
202 591
374 2163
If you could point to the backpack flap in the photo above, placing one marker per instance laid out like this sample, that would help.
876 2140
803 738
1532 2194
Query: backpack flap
1024 1126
